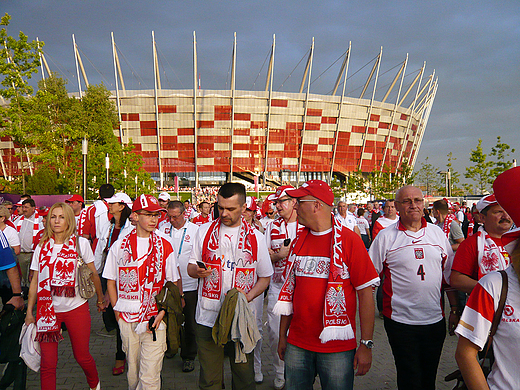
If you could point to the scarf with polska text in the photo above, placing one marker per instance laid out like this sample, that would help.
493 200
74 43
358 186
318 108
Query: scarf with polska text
54 278
336 324
490 256
137 287
279 233
212 255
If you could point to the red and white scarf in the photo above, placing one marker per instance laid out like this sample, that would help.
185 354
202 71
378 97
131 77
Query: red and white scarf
490 256
137 285
54 278
446 226
278 234
244 259
336 324
36 226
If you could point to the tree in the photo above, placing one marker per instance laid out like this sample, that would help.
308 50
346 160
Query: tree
502 163
480 171
428 177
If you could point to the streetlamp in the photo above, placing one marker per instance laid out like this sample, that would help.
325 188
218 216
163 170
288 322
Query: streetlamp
124 174
84 150
447 181
107 164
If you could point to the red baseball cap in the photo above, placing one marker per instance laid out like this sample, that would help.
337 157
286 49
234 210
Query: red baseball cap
75 197
507 190
147 203
280 191
488 200
317 188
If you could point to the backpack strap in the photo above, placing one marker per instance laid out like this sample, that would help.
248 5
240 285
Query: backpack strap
500 310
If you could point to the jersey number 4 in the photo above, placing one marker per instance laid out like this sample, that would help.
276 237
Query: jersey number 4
421 272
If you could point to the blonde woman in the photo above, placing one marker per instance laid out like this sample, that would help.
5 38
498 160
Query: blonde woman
54 288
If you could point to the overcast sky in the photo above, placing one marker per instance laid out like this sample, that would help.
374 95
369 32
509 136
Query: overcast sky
473 46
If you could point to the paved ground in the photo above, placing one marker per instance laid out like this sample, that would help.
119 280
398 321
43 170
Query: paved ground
70 376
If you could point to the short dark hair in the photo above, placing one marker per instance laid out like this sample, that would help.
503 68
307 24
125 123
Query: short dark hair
106 191
176 204
360 212
230 189
30 202
203 203
27 196
441 205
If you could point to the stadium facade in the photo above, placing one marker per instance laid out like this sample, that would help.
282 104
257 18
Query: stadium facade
206 136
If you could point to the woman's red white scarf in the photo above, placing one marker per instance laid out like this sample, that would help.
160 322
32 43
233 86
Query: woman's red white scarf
490 256
244 259
336 324
137 285
54 278
80 221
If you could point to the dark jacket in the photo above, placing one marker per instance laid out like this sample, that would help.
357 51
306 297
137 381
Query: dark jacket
169 298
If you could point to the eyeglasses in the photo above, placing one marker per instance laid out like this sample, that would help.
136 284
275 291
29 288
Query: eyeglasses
271 213
281 200
408 201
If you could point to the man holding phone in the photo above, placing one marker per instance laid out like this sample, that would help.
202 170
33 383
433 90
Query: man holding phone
234 255
279 235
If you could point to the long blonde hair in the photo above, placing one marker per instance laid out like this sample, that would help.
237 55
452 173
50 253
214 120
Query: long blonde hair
69 219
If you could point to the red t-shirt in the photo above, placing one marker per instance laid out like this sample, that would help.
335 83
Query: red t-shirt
200 220
312 271
466 257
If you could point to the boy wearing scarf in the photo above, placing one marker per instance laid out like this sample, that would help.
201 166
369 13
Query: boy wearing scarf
327 269
137 267
235 256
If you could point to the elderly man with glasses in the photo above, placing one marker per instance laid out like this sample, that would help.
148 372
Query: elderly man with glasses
415 259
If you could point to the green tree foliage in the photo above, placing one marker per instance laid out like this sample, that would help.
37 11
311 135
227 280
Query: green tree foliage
480 172
19 60
428 178
500 152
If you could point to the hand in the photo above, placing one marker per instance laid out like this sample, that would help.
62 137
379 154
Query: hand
117 315
452 322
183 302
100 306
17 302
157 322
203 273
362 360
29 319
283 252
282 346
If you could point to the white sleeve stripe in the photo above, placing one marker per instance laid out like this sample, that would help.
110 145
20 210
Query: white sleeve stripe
373 282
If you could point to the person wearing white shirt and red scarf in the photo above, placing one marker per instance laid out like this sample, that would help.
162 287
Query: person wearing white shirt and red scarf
80 212
27 226
476 320
54 288
328 269
415 258
279 234
137 267
236 256
482 252
182 236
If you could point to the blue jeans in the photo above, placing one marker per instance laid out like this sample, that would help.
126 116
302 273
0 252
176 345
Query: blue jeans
336 370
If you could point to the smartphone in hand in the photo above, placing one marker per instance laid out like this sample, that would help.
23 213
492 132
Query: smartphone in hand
201 264
286 242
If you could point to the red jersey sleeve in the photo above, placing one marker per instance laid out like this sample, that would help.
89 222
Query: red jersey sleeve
376 229
466 258
89 228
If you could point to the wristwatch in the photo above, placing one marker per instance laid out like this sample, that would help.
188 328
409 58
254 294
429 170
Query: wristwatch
367 343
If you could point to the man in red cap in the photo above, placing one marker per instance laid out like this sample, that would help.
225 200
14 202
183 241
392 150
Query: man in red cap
80 212
482 252
137 267
414 257
327 269
279 235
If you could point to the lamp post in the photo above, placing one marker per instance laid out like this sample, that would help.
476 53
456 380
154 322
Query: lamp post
107 164
447 181
124 174
84 150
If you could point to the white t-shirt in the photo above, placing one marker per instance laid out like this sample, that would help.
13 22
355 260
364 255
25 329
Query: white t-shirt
349 220
65 304
414 265
228 243
182 250
477 319
12 236
362 225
